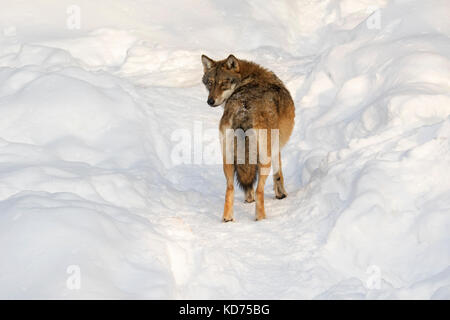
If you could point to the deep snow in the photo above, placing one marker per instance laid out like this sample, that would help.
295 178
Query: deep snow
92 121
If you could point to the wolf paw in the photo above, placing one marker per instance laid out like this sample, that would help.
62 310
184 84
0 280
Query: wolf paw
281 196
260 215
228 219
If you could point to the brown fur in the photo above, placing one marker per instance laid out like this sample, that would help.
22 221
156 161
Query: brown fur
254 98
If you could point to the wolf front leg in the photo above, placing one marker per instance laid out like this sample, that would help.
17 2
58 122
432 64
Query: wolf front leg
228 169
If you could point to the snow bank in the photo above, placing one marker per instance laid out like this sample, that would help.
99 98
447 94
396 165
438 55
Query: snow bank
92 204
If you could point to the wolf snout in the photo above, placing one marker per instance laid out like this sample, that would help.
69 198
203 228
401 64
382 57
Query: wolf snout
211 101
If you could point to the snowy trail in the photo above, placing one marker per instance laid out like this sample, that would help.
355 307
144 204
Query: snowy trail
201 248
90 119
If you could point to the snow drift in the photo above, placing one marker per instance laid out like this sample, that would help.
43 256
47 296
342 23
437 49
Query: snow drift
90 117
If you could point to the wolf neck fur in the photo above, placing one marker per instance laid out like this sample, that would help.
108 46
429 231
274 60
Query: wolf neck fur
251 71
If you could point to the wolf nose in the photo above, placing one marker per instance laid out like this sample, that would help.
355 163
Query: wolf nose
210 101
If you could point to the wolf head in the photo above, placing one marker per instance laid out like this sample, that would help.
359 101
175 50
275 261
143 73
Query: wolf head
220 78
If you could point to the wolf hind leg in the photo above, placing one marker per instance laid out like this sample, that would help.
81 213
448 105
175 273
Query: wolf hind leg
278 179
229 195
249 195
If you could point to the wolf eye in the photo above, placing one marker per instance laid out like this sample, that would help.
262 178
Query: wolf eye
209 83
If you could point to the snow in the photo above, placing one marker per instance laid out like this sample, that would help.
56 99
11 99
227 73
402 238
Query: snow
94 181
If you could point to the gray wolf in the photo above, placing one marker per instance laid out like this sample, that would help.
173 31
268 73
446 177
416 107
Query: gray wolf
256 100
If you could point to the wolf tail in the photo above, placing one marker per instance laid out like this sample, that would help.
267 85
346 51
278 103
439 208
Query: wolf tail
246 175
247 172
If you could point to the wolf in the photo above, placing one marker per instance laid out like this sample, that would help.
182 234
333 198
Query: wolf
255 100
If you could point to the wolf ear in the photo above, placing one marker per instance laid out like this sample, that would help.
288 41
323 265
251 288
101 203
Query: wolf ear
232 63
207 63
